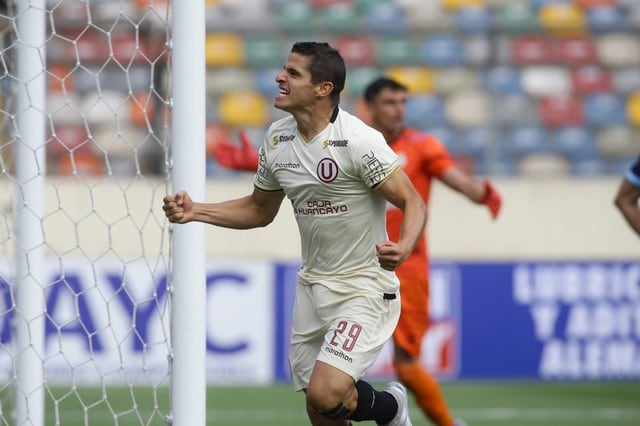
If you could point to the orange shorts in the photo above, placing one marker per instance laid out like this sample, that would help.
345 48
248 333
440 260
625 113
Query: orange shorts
414 314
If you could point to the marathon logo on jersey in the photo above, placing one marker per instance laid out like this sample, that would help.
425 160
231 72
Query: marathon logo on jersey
277 139
338 353
340 143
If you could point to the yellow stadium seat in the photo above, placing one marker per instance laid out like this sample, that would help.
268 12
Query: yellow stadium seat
243 108
224 49
417 79
633 109
459 4
562 19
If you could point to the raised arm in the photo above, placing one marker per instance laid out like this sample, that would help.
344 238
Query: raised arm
626 201
255 210
478 192
399 191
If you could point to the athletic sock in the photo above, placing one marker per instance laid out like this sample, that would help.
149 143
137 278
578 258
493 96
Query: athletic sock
427 392
373 405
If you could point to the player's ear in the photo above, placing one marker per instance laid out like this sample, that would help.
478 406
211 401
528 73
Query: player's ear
324 89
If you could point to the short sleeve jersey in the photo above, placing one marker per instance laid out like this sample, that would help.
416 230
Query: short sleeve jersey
633 174
330 181
422 157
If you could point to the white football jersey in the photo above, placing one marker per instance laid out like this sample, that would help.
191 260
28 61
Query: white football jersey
330 181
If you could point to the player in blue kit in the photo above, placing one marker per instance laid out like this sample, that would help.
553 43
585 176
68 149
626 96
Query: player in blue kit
338 174
628 196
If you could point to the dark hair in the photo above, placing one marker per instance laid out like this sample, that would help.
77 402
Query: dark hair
375 87
325 64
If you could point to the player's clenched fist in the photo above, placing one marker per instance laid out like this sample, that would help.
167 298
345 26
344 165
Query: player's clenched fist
178 208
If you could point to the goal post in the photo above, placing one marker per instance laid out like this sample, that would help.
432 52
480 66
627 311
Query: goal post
102 302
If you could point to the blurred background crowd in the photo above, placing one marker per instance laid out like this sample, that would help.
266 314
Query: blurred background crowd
511 87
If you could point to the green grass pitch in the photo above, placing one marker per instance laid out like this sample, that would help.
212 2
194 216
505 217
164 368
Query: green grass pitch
480 403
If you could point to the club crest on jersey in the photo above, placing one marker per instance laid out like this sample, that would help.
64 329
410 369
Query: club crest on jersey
327 170
341 143
277 139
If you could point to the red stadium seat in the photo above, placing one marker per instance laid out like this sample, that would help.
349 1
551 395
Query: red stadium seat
319 4
528 50
560 110
575 51
588 4
591 79
356 50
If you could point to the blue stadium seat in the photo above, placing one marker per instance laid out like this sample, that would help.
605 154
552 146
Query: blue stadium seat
501 80
591 166
604 109
442 50
525 140
425 111
473 19
522 110
603 19
385 18
265 81
575 143
443 133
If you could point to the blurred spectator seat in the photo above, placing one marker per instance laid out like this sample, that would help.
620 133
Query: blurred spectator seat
295 16
514 109
475 141
425 111
265 81
602 19
619 50
591 79
321 4
604 109
560 110
633 109
264 51
340 18
65 108
80 164
60 77
66 138
441 50
545 80
617 141
385 18
543 165
516 18
575 51
427 15
575 143
501 80
358 78
588 4
531 50
220 80
525 140
593 166
478 51
453 80
363 5
224 49
243 108
442 133
396 51
626 80
106 108
562 19
459 4
356 50
468 108
143 108
417 79
474 19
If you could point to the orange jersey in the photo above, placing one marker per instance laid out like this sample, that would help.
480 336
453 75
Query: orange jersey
422 157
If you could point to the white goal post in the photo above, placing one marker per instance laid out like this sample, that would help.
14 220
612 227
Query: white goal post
102 303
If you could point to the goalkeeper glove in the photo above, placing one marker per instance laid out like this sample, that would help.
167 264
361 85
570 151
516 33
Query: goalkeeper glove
491 199
243 157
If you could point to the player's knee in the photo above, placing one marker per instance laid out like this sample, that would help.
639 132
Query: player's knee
326 404
339 412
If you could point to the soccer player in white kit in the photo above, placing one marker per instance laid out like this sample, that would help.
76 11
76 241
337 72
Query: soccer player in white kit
338 174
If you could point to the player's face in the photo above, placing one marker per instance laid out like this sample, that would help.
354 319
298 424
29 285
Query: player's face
388 110
294 81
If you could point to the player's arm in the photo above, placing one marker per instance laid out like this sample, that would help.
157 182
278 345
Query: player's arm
255 210
400 192
478 192
626 201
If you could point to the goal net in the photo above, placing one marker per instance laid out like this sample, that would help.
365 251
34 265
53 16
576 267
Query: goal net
84 305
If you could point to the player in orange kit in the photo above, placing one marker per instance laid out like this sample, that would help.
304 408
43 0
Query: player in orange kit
423 158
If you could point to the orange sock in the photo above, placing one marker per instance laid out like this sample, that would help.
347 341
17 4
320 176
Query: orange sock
426 391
